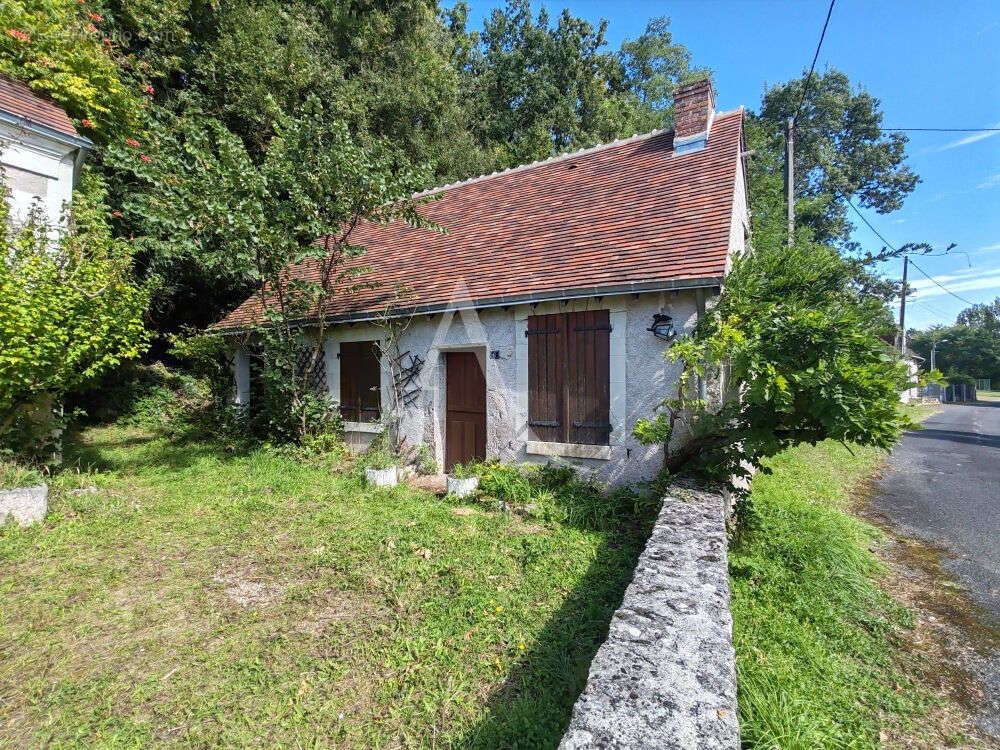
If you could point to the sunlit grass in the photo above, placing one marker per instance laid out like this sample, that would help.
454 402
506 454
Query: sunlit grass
201 598
814 632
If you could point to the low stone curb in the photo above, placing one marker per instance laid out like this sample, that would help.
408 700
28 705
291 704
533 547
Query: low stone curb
666 675
24 505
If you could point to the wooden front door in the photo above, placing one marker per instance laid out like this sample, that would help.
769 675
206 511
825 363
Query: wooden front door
465 422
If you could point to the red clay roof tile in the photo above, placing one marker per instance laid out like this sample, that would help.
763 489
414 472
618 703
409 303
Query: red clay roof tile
626 213
19 100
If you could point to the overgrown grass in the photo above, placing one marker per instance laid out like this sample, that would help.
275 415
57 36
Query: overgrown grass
14 473
205 598
815 634
555 493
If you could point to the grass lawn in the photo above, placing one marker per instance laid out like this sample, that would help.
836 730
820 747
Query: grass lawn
816 635
200 598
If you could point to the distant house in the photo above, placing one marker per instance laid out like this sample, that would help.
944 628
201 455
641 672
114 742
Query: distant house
40 151
537 325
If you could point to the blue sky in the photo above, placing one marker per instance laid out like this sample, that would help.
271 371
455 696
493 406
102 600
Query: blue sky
932 64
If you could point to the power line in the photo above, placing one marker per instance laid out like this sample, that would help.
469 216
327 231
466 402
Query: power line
889 245
870 225
933 309
942 130
805 89
938 283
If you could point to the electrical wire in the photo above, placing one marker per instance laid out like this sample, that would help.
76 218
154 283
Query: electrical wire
890 246
942 130
870 225
802 101
805 89
938 283
931 308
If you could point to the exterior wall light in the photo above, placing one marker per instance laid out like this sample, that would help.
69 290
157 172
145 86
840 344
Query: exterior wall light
663 327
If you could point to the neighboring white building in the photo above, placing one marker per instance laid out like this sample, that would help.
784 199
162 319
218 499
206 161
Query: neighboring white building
40 151
527 326
912 393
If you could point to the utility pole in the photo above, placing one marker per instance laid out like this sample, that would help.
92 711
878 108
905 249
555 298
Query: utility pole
790 175
902 308
934 352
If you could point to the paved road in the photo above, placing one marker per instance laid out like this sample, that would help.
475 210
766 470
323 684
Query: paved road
945 486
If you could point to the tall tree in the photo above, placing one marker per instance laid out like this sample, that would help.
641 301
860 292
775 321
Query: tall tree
840 152
982 316
534 88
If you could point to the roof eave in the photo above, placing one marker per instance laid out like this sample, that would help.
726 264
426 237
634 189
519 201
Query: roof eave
636 287
19 121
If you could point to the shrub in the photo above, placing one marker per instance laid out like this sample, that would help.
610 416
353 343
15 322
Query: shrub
142 395
69 309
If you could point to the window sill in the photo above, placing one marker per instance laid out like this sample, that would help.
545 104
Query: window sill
372 428
569 450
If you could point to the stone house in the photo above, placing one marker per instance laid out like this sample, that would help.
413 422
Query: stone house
536 326
40 151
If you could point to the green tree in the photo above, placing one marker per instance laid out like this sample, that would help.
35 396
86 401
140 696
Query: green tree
316 181
803 362
59 49
534 88
69 308
982 316
970 349
841 153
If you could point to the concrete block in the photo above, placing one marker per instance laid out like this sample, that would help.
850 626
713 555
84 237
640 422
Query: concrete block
24 505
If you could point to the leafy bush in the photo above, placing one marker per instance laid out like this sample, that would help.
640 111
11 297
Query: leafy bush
69 309
141 395
804 362
559 494
279 412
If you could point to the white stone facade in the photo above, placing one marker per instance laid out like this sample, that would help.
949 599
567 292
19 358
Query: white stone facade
640 378
39 167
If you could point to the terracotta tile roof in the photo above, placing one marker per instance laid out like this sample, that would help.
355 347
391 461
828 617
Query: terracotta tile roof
615 216
19 100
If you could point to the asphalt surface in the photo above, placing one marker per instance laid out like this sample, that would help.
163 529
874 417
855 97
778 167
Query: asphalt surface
944 486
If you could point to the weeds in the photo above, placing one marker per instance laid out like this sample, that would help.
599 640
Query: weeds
814 633
15 473
557 493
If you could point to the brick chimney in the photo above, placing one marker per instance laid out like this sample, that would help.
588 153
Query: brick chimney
694 107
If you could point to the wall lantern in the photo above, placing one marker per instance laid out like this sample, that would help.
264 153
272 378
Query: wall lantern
663 327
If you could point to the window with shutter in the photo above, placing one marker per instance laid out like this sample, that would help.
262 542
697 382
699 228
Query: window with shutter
360 381
569 377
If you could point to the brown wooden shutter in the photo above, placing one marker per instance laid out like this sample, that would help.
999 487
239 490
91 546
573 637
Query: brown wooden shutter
588 373
569 374
360 381
546 376
371 383
350 365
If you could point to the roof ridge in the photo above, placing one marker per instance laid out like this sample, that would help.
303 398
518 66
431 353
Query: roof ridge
531 165
557 157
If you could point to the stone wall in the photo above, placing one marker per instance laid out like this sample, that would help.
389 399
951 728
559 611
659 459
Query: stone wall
666 675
